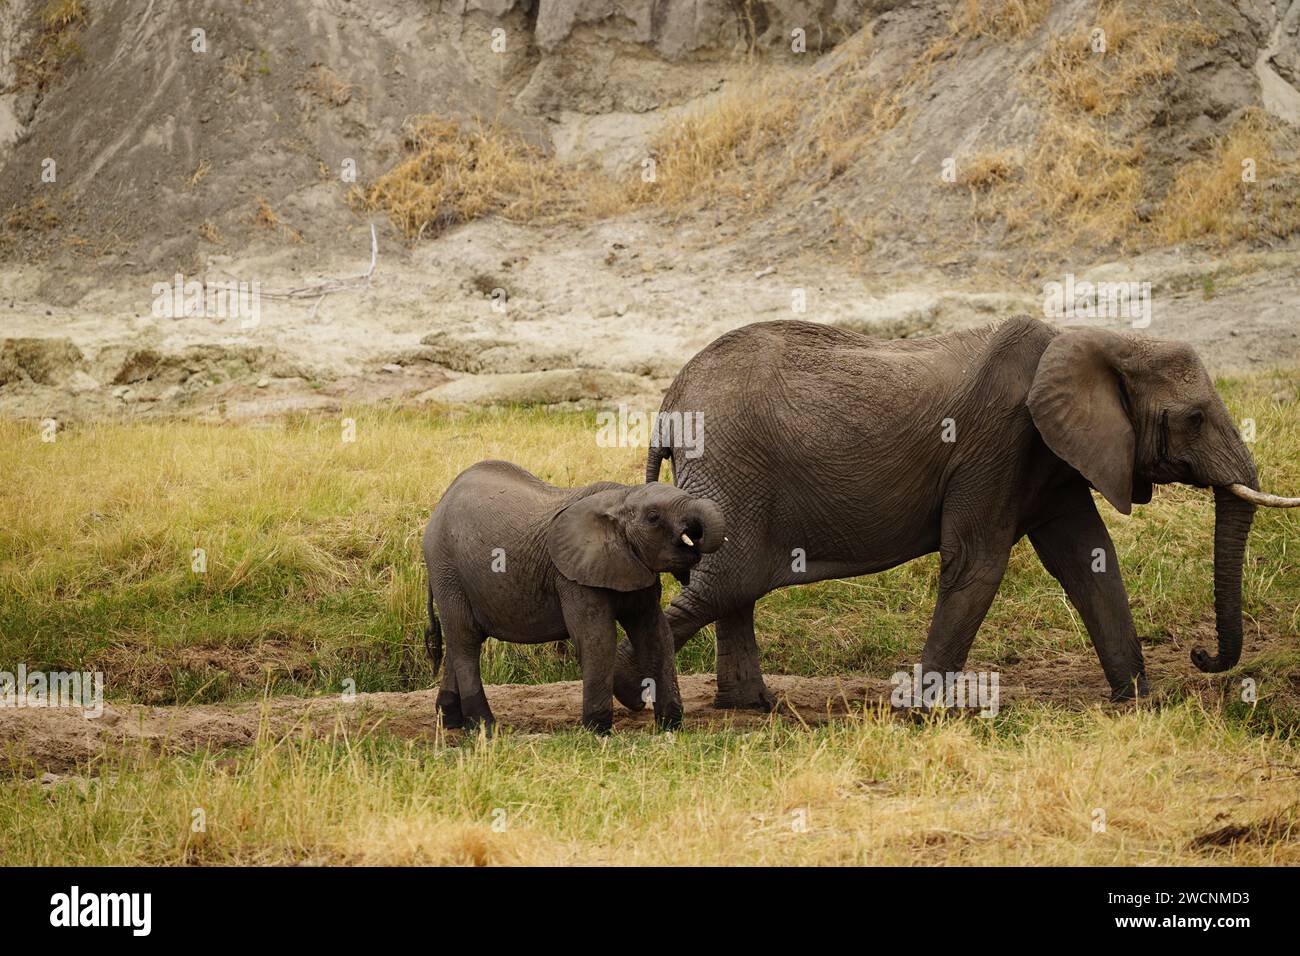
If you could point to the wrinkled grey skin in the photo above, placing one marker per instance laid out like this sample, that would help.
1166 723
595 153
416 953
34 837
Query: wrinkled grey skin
823 439
572 563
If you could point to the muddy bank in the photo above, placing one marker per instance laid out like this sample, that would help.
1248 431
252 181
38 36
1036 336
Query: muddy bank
36 741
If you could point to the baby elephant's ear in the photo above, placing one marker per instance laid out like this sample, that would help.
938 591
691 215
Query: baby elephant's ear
588 547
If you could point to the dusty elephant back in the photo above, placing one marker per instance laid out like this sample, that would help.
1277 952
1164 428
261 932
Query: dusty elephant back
828 440
782 395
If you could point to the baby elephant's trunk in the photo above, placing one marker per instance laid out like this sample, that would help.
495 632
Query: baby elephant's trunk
705 518
433 638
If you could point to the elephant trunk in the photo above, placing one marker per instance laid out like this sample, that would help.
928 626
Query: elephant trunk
704 518
1232 519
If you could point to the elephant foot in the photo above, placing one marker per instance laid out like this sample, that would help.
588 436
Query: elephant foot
449 707
670 718
487 725
749 695
478 714
1133 690
627 682
600 723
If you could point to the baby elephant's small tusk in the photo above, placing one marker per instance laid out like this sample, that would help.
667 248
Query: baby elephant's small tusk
687 541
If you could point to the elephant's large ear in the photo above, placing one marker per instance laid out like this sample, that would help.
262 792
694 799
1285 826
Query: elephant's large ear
588 546
1078 405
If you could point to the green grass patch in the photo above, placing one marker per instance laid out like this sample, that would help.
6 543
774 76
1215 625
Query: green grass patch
313 572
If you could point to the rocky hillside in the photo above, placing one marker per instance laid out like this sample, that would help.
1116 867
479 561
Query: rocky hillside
634 176
142 137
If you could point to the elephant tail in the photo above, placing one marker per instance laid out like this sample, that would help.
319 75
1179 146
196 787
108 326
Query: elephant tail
654 460
433 637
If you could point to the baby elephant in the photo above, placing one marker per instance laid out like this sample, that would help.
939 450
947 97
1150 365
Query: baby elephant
520 560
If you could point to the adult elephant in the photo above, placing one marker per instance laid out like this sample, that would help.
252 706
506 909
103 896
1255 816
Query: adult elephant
834 455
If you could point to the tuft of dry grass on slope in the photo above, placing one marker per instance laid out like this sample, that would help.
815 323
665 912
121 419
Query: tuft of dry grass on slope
774 134
1243 189
1171 786
989 170
1099 66
1000 19
707 155
1084 180
454 172
56 44
59 14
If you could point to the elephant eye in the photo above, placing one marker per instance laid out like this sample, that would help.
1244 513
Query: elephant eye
652 516
1196 418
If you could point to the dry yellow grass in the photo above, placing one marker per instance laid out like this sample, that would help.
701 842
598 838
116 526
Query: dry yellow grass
1085 178
776 136
1001 19
743 149
327 86
711 153
1242 189
986 171
266 218
265 215
56 45
458 171
782 136
59 14
238 65
1099 66
36 216
1151 786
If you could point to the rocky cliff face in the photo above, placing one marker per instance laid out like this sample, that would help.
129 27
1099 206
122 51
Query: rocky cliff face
172 150
679 29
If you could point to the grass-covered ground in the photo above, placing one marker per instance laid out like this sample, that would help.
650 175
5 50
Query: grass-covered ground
313 577
1040 786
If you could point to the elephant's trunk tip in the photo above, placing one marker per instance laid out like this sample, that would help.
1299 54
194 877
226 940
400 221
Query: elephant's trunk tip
1213 665
706 526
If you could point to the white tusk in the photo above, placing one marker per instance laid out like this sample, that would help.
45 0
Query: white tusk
687 541
1259 498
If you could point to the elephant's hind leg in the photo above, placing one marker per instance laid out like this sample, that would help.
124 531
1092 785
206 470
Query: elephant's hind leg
449 699
740 678
466 703
448 630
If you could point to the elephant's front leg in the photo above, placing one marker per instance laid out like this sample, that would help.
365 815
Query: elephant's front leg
589 619
652 638
974 548
1076 548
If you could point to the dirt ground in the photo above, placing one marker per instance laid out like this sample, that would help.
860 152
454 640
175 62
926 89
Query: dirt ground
578 328
36 742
